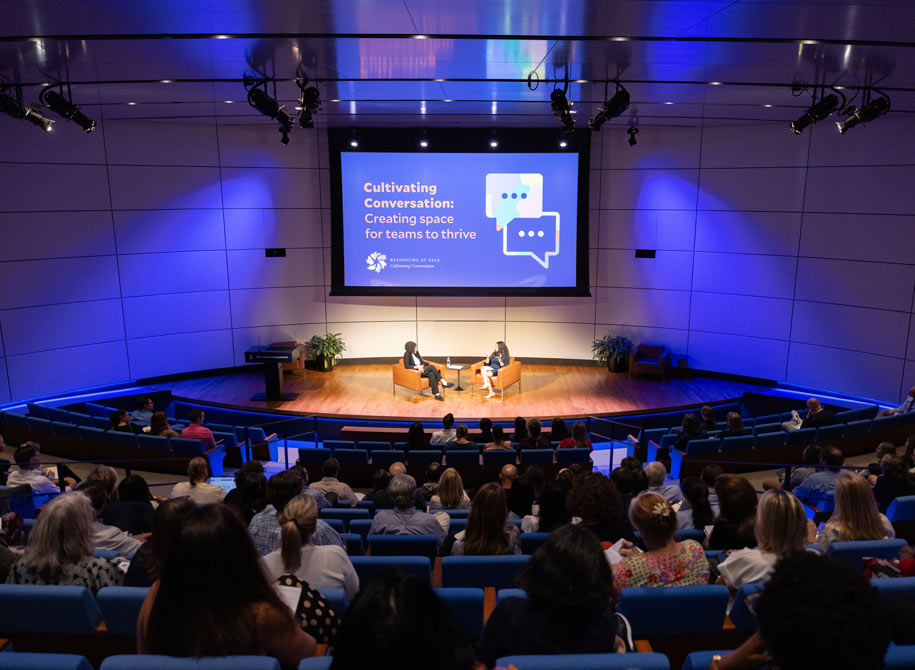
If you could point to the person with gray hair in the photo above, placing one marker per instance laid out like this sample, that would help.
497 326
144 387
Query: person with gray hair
405 519
60 548
657 473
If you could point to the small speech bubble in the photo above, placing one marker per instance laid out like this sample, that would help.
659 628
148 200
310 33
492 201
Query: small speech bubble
513 195
537 238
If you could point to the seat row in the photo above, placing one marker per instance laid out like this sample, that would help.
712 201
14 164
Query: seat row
383 458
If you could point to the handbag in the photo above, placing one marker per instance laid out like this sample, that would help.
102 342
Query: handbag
313 613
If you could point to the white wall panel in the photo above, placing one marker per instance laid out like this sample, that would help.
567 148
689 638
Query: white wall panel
365 308
658 147
752 145
250 268
51 188
246 338
46 282
648 189
256 146
861 237
750 356
446 308
908 381
4 383
890 142
643 307
752 189
277 306
152 315
48 372
151 274
853 283
440 339
668 270
380 340
57 326
873 331
674 339
910 348
67 144
270 187
553 341
140 187
741 315
185 352
748 232
269 228
55 235
133 142
159 230
745 274
852 372
865 190
647 229
550 309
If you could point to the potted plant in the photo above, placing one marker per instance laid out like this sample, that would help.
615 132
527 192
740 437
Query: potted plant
327 350
612 352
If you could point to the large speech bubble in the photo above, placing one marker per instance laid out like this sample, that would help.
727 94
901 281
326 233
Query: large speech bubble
513 195
534 237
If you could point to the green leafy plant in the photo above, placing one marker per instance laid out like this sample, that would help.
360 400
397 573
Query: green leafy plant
329 347
611 350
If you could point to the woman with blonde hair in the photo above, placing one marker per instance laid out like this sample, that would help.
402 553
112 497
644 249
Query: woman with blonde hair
488 532
321 566
856 516
665 562
451 493
196 487
781 528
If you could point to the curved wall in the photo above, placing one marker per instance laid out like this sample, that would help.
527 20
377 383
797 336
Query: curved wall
137 251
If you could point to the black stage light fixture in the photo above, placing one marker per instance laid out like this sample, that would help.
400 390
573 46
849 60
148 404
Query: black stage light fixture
309 103
633 131
262 102
562 109
867 112
12 106
65 108
611 109
15 108
34 116
817 112
284 136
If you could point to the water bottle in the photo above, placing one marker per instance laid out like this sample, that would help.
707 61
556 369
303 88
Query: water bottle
448 361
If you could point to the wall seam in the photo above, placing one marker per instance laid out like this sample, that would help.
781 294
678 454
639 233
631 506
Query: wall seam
692 267
797 261
6 367
225 237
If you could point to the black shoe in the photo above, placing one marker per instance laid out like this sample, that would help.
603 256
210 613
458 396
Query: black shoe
438 396
446 384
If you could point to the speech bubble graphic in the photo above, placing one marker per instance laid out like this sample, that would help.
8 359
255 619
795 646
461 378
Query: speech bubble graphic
513 195
534 237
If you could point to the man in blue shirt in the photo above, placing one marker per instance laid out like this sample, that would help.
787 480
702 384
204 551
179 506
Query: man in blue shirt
142 416
821 484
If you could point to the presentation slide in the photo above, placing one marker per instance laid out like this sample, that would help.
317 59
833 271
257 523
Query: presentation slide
459 219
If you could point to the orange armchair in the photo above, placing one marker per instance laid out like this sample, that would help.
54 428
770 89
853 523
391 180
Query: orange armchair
505 377
412 378
652 359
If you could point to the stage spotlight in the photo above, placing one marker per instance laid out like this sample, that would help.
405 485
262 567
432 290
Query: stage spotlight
34 116
309 103
65 108
493 139
424 138
17 110
633 131
284 137
353 138
258 98
816 112
611 109
866 113
562 109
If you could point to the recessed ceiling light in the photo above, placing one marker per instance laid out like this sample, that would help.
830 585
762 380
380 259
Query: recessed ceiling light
809 42
439 79
420 37
619 39
165 81
447 100
335 100
668 103
581 81
767 105
131 103
222 37
715 83
228 102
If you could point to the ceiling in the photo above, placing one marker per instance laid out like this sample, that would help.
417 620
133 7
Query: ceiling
472 62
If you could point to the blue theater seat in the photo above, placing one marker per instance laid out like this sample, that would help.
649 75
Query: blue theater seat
123 440
80 419
828 433
316 663
153 442
859 427
803 436
688 610
902 588
63 610
851 553
39 425
336 598
456 513
313 456
351 456
368 567
94 409
336 524
155 662
690 534
899 657
901 509
383 459
499 457
457 525
12 660
530 542
573 455
346 515
466 606
65 429
333 445
120 606
361 527
91 434
771 440
652 435
482 571
759 429
502 594
39 411
355 543
372 446
741 611
458 458
422 457
630 661
403 545
101 422
536 457
706 446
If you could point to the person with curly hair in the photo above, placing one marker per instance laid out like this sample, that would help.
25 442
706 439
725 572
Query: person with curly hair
596 500
665 562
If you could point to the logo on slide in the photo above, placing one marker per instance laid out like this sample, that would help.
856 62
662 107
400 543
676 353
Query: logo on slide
376 261
515 201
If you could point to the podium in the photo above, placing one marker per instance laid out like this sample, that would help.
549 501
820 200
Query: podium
273 359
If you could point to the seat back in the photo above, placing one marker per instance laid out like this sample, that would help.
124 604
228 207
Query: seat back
333 445
742 611
739 443
346 515
760 428
316 663
652 435
123 440
628 661
355 544
896 589
313 456
57 414
368 567
859 427
383 459
462 457
101 422
688 610
802 436
851 553
422 457
92 434
336 598
403 545
62 610
37 410
120 606
770 440
39 425
650 351
569 456
94 409
690 534
352 456
499 457
373 446
530 542
466 606
153 442
482 571
536 457
65 429
901 509
12 660
336 524
361 527
156 662
833 432
186 445
18 499
706 446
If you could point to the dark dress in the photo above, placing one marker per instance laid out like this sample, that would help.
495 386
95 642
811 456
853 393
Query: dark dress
822 418
885 490
683 438
725 536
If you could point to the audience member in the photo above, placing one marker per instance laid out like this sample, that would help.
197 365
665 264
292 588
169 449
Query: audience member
60 549
665 561
551 510
213 599
321 567
416 437
908 405
595 500
320 500
158 425
874 470
483 477
498 440
134 487
520 497
696 512
851 629
735 426
383 499
447 433
120 422
380 480
196 486
433 476
197 431
810 458
817 416
535 438
823 482
579 438
893 483
265 528
30 472
690 429
485 436
147 562
569 604
707 420
405 519
251 467
558 430
253 497
735 526
330 484
709 475
133 517
398 622
462 438
488 531
508 475
451 493
908 453
143 414
657 474
104 536
781 528
520 432
855 516
535 477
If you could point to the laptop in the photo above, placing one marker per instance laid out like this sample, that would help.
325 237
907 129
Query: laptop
225 483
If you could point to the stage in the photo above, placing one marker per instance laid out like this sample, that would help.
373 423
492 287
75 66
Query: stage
546 391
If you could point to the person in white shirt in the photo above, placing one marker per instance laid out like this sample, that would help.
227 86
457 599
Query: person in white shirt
104 536
447 434
908 405
330 484
197 488
322 567
30 472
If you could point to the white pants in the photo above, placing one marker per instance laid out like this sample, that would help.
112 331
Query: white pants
486 372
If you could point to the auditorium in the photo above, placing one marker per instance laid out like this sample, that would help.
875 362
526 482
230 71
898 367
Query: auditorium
426 334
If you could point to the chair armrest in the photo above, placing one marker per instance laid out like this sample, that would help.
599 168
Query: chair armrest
510 374
475 367
631 358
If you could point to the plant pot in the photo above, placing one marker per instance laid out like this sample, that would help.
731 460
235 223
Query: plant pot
325 364
618 365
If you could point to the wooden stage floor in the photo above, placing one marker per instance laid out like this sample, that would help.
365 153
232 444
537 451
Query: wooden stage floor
546 391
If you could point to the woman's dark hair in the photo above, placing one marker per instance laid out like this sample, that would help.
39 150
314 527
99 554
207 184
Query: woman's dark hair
211 585
158 423
893 467
569 574
416 436
498 433
534 429
520 497
410 347
503 351
696 493
134 487
397 621
461 431
580 434
553 511
169 515
486 533
558 430
640 483
485 425
623 479
252 496
690 425
631 463
811 454
535 477
737 500
735 422
708 418
117 416
380 479
520 429
594 498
